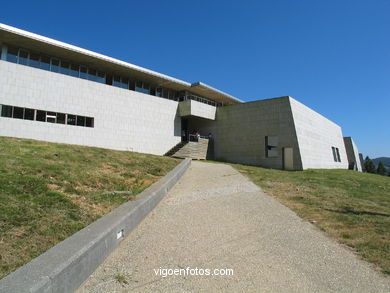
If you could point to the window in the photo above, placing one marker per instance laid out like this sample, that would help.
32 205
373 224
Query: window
116 81
89 122
45 63
12 55
51 117
34 60
158 92
71 119
54 65
91 74
18 113
80 121
138 87
29 114
23 57
101 77
6 111
60 118
74 70
271 146
83 72
336 154
125 83
64 69
146 88
41 116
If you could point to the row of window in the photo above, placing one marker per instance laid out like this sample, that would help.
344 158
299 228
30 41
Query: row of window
336 154
25 57
45 116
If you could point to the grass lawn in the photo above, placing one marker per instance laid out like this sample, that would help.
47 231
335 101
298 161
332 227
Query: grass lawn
50 191
352 207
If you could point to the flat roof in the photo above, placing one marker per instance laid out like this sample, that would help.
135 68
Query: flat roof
21 38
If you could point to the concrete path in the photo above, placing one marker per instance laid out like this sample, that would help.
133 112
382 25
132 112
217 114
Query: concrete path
215 218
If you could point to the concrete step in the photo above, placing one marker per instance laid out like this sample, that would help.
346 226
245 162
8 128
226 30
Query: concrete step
194 150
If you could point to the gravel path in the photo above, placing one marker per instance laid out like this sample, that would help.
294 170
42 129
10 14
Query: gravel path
215 218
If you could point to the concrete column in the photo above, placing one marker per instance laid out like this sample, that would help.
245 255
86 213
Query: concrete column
4 51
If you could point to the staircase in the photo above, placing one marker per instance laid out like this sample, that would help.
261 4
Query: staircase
175 148
194 150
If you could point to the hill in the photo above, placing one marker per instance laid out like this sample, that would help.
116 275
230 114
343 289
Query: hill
385 160
49 191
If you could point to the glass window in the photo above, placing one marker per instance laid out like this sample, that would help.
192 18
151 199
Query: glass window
88 121
41 116
159 92
29 114
23 57
334 154
101 77
64 69
165 93
146 88
116 81
12 55
44 63
51 117
34 60
61 118
74 70
71 119
91 74
80 120
18 112
125 83
153 91
83 72
55 65
132 85
338 155
6 111
271 146
138 87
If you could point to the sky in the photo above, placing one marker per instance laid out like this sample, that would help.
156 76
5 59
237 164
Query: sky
333 55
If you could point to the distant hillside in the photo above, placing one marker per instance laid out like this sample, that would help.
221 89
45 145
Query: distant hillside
385 160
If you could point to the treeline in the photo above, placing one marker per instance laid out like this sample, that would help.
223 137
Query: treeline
370 167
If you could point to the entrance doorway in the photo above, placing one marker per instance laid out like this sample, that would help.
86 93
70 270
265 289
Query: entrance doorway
288 161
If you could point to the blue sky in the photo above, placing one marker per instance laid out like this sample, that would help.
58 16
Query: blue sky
333 56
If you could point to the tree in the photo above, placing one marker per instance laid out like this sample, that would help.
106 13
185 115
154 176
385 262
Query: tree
381 170
369 165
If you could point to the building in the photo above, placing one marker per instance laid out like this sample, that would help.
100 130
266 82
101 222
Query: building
57 92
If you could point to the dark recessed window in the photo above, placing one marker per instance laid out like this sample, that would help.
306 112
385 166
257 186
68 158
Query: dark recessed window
29 114
125 83
18 113
44 63
271 146
54 65
6 111
159 92
60 118
101 77
64 69
88 121
12 55
51 117
334 154
34 60
83 72
80 120
146 88
23 57
132 85
138 87
116 81
71 119
74 70
338 155
91 74
41 116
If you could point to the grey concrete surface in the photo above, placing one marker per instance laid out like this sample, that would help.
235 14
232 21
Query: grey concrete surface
214 218
65 266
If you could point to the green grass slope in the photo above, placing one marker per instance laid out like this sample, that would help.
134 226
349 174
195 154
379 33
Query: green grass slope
50 191
350 206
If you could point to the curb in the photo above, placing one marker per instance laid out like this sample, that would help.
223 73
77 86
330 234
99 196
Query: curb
64 267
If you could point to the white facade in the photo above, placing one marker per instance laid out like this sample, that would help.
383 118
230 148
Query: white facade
123 119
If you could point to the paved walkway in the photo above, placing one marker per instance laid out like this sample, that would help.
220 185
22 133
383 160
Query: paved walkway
214 218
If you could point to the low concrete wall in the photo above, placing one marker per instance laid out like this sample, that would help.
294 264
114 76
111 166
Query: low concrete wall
64 267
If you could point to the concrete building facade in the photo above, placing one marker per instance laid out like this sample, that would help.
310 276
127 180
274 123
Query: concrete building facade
57 92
